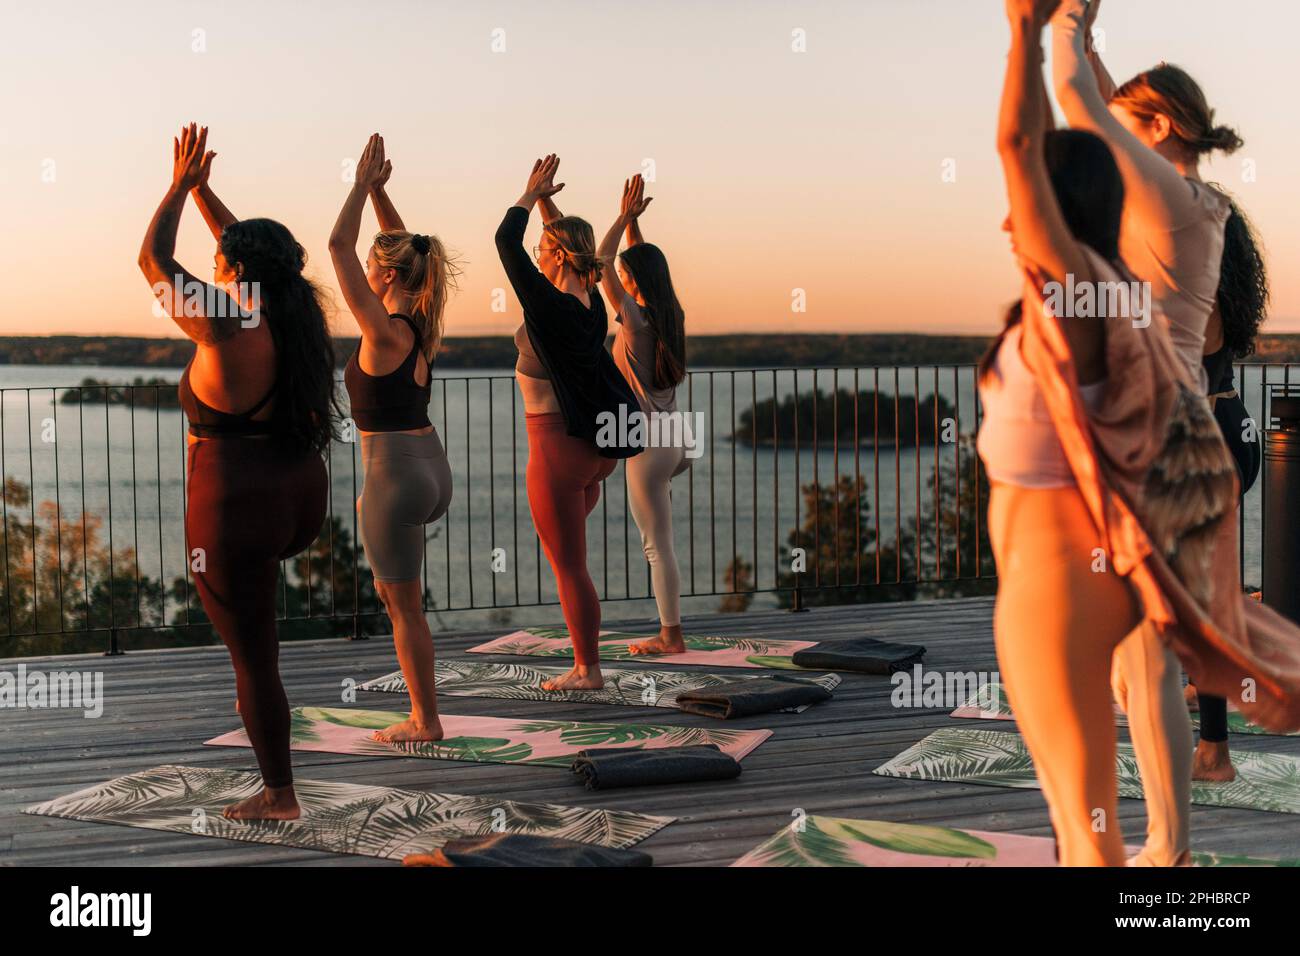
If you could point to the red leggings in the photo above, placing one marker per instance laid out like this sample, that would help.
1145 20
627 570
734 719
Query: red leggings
564 476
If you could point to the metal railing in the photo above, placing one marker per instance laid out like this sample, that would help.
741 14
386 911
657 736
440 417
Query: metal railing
814 486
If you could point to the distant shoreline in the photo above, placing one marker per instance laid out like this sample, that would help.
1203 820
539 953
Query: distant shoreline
750 350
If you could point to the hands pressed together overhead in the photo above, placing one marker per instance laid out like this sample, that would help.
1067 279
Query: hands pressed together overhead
190 163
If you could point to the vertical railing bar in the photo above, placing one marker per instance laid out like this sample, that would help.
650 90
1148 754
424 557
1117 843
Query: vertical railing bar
875 460
956 464
492 475
31 477
916 445
85 546
735 541
4 513
58 513
469 512
514 483
938 506
898 484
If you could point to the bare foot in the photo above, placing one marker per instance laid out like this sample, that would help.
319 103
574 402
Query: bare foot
668 642
1189 695
580 678
269 803
1213 763
409 729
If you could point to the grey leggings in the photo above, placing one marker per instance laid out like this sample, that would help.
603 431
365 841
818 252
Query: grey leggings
407 485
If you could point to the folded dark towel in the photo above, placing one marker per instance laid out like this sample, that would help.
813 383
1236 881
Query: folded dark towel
636 767
524 849
865 654
755 695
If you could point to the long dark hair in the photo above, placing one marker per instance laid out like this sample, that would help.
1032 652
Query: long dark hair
305 399
648 267
1090 194
1243 285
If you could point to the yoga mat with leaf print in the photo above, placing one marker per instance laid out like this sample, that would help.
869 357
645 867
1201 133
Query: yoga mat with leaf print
715 651
550 743
624 686
991 757
833 841
336 817
986 705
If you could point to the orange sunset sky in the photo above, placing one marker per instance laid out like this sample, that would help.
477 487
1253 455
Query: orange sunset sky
774 170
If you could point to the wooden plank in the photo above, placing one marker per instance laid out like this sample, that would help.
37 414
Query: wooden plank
162 704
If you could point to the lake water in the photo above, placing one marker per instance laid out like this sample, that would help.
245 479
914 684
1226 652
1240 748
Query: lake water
127 466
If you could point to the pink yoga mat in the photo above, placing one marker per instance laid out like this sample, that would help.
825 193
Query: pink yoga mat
493 739
717 651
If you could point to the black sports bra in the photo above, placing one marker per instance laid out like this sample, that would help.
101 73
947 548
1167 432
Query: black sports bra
209 422
392 402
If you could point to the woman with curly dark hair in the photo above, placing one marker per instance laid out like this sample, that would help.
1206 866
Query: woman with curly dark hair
259 396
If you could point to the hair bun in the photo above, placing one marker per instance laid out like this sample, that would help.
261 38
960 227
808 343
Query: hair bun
421 244
1224 138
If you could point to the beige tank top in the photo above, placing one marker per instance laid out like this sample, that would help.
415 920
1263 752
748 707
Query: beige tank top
1182 266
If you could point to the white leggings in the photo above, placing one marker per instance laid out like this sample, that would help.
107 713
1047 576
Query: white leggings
1147 680
648 475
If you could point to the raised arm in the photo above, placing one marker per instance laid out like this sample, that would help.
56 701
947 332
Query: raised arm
1048 251
212 209
1154 189
550 211
175 287
366 307
385 211
531 287
634 237
631 206
1105 84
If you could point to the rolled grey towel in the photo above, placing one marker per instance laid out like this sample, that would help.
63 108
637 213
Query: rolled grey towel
638 767
524 849
864 654
756 695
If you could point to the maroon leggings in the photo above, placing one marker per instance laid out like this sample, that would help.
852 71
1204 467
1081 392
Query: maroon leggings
251 505
564 476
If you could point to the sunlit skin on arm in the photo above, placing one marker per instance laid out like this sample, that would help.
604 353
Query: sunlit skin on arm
1047 249
170 280
633 203
383 339
385 211
212 209
1155 189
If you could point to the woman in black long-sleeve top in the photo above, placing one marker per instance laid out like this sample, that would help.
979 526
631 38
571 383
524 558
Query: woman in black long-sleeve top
573 393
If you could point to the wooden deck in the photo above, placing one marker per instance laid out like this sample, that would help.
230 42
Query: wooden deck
161 705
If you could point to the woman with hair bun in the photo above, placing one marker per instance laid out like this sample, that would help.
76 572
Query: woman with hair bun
397 298
1160 126
257 483
571 391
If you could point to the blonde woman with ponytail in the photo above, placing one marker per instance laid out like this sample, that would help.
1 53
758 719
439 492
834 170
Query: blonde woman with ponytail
397 298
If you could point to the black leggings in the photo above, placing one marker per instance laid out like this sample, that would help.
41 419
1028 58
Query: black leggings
252 505
1231 414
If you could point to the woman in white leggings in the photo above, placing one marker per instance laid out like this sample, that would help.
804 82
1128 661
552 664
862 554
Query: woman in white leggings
650 351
